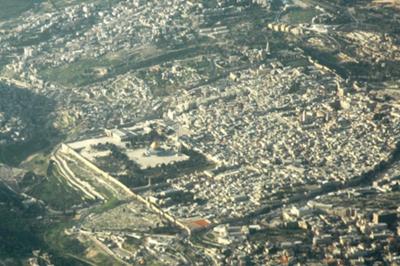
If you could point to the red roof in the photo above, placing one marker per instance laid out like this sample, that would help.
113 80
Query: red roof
202 223
197 223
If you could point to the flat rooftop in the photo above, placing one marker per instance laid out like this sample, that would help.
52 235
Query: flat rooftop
151 160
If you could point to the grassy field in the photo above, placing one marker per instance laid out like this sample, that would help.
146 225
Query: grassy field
55 191
110 204
301 15
73 74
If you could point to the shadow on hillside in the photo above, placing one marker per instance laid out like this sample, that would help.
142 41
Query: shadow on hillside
25 124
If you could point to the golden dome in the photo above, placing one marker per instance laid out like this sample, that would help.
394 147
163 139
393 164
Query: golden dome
155 145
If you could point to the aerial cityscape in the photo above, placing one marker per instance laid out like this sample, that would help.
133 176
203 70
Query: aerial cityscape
199 132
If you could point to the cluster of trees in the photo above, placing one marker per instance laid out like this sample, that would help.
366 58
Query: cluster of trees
133 180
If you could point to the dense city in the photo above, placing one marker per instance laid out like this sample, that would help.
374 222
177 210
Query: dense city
220 132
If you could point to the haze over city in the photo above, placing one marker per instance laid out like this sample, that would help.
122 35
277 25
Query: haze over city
199 132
